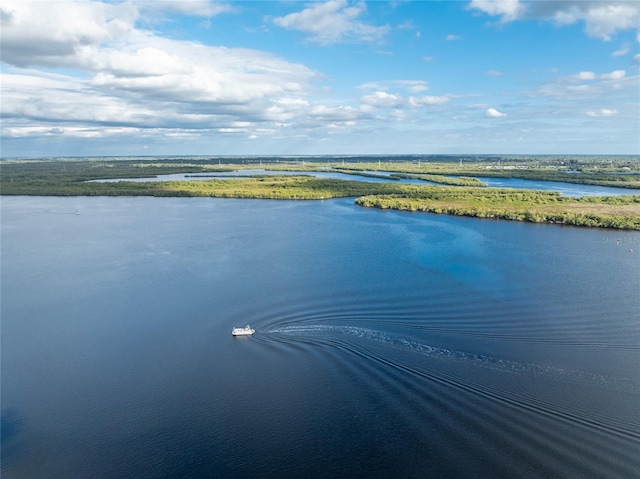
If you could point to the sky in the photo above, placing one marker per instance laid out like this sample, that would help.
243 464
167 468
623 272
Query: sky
178 77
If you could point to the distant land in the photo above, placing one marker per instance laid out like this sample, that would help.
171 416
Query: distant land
462 191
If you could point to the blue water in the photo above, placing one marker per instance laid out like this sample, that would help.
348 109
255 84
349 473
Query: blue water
254 172
567 189
387 344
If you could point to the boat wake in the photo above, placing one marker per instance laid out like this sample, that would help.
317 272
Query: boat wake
406 344
543 410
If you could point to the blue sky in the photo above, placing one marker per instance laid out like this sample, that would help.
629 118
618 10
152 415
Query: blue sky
90 78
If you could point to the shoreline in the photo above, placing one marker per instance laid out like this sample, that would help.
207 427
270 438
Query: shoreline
55 178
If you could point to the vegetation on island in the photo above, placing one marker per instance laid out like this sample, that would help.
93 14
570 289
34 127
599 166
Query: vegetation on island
625 175
517 205
78 179
468 198
439 179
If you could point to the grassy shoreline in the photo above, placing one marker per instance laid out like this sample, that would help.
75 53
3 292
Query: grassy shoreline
73 179
622 212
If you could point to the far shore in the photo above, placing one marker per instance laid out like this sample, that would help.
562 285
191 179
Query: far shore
462 196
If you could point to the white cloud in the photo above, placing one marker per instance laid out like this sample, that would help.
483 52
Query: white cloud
110 80
195 8
585 76
134 78
52 33
493 113
614 75
494 73
602 18
333 22
186 71
605 20
621 52
603 112
636 58
599 85
64 99
508 9
413 86
427 101
381 99
373 86
452 37
334 113
68 131
589 76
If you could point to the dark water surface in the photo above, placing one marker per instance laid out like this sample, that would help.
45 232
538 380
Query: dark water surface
387 344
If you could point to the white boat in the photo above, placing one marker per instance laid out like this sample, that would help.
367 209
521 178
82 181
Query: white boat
246 331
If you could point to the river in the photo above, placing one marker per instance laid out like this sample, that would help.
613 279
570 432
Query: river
387 344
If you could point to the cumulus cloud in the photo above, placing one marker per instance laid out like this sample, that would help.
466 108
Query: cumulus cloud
493 113
186 71
614 75
128 75
333 22
603 112
340 114
585 76
508 9
64 99
381 99
602 18
587 84
588 76
52 34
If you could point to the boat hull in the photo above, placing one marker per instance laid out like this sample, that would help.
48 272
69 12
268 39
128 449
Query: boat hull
246 331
